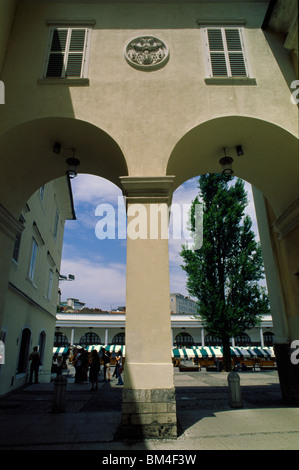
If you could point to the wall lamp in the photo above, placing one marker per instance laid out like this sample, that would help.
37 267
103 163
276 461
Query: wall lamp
239 150
72 163
226 162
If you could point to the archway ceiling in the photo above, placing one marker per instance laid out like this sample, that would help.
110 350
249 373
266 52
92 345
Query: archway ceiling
28 160
270 160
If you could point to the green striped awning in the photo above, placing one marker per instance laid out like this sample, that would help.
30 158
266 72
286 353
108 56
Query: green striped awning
60 351
217 351
112 348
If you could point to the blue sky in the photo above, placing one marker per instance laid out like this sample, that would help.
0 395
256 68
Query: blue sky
99 266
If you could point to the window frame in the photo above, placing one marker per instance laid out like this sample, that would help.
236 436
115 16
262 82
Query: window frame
69 26
50 284
33 259
210 77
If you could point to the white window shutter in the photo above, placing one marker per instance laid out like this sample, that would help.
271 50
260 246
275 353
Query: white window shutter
235 52
66 55
57 53
226 52
217 54
76 53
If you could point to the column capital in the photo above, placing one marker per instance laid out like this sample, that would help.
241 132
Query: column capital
9 225
148 189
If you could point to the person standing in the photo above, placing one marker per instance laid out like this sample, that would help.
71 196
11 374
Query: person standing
94 370
106 360
119 367
77 362
34 366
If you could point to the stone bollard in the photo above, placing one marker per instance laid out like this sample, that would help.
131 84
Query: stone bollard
59 398
234 390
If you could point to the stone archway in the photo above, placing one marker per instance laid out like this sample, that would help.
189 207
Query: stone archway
28 161
270 163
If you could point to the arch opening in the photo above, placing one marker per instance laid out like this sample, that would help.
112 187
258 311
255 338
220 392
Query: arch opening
269 160
29 159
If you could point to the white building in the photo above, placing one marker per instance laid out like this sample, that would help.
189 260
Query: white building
109 328
182 304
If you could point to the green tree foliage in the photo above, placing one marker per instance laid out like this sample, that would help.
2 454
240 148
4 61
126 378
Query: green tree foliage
225 273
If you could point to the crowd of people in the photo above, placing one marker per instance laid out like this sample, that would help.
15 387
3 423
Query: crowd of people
87 366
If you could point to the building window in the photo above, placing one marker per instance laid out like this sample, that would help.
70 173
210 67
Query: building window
67 55
242 340
60 340
119 339
211 340
33 259
90 338
50 283
268 338
41 192
226 54
183 340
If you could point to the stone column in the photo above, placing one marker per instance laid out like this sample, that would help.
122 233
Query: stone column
279 237
72 335
149 406
202 337
9 228
262 337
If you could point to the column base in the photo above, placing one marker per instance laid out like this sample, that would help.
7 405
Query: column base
288 374
148 414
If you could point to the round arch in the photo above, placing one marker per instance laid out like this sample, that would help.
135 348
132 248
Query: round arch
28 160
90 338
183 339
269 161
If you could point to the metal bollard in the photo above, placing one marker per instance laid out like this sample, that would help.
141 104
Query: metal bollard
59 398
235 390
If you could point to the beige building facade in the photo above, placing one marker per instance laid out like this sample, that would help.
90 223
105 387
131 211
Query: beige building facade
31 303
148 95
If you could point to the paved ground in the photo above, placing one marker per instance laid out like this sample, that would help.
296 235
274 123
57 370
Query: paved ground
206 420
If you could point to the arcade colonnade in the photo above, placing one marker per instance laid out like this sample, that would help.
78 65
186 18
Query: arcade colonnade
147 131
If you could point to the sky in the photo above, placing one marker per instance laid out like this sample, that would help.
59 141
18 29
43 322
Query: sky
98 263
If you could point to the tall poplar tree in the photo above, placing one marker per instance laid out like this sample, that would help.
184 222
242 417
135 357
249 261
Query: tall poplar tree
224 273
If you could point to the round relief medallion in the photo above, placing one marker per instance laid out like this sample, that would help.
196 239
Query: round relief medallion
146 53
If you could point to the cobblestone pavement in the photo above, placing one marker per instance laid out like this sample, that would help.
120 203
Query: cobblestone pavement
194 390
205 419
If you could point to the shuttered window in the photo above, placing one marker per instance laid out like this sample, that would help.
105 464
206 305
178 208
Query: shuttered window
226 52
67 53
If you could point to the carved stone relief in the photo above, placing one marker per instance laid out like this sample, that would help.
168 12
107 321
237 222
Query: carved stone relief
146 53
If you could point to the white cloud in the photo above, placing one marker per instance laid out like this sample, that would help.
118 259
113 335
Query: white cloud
94 190
97 283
